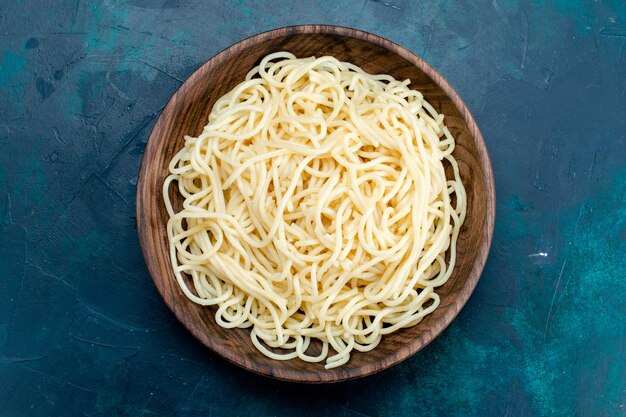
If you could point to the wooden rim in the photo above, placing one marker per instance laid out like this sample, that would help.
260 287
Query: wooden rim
147 219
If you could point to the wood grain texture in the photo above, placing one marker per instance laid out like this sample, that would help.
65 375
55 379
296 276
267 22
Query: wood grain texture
187 113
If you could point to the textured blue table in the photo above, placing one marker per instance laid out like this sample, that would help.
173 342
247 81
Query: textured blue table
83 330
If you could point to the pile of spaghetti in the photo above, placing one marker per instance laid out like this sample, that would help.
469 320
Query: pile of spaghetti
316 207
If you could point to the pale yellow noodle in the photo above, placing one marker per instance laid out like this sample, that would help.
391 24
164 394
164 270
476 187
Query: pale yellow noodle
316 207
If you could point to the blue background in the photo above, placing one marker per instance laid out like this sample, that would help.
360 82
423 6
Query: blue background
82 328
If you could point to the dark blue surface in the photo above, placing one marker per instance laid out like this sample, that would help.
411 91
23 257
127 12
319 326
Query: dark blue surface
83 330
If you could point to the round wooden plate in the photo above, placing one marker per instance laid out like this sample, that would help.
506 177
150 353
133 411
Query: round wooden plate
187 113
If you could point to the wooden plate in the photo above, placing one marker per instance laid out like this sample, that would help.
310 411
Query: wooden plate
187 113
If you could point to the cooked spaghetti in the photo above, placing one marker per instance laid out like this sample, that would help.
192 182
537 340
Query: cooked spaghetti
316 207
